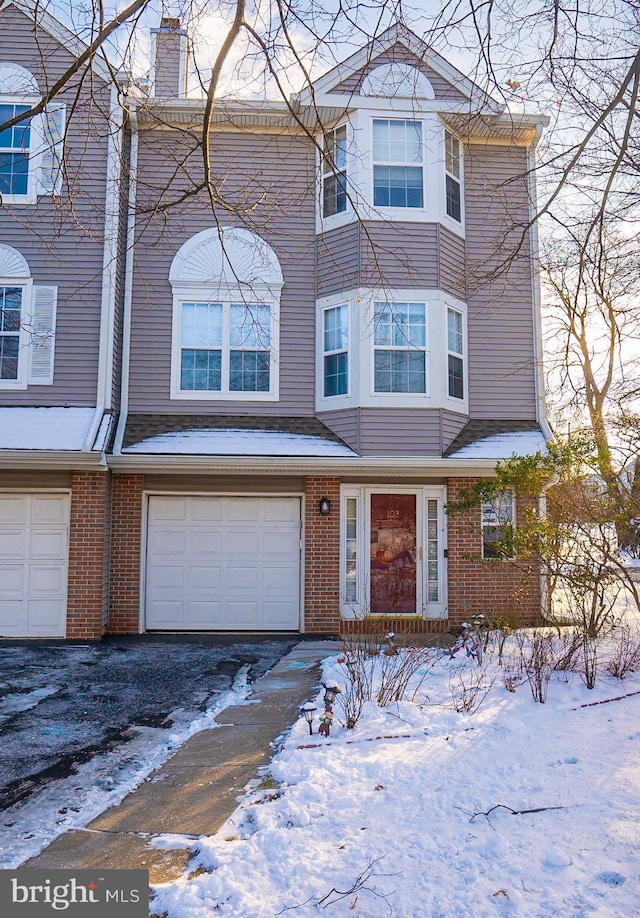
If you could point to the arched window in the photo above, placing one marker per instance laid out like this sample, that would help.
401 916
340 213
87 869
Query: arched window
397 81
30 150
27 324
226 299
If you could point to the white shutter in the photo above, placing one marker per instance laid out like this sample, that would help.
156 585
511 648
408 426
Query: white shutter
42 334
51 158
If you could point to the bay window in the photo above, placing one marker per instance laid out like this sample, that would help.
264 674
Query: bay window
455 358
336 350
400 343
453 176
334 172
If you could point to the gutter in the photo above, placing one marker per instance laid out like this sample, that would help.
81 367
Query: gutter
44 460
128 282
109 269
407 466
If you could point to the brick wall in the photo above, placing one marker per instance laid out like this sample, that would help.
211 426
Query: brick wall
322 557
125 573
491 587
88 554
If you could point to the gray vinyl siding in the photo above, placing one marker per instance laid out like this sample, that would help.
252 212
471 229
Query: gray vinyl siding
400 432
338 260
62 237
378 254
452 424
345 423
399 54
499 288
167 62
451 263
225 484
266 182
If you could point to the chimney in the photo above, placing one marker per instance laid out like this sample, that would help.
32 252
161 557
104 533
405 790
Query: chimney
169 60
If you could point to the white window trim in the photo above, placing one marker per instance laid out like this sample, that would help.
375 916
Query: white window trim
484 526
225 295
449 222
361 350
362 493
36 142
324 224
24 341
323 353
390 210
450 400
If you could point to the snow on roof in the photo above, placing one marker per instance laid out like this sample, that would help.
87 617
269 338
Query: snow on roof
504 446
44 428
229 442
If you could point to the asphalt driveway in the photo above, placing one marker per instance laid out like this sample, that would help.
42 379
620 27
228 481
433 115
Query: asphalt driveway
62 705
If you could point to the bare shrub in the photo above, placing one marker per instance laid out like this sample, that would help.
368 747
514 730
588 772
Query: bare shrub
589 660
568 650
626 655
536 649
397 669
469 686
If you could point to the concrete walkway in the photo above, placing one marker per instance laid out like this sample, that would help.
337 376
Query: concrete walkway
197 789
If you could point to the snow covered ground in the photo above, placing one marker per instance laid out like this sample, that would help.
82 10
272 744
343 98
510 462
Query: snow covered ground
519 809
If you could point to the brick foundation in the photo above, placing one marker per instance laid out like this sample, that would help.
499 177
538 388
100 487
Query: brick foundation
491 587
126 535
88 554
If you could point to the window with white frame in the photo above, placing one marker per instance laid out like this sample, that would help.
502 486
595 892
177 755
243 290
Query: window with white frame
335 342
334 172
498 521
27 325
14 150
398 158
453 176
225 347
455 353
226 295
31 150
400 348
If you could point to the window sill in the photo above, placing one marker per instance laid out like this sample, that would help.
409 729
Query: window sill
198 395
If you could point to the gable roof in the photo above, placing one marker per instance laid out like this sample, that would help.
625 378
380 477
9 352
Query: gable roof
394 35
71 42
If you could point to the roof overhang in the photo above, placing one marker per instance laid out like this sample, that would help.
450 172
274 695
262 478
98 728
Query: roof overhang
51 460
405 467
237 114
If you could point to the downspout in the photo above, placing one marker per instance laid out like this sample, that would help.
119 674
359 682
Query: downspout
538 351
109 271
128 281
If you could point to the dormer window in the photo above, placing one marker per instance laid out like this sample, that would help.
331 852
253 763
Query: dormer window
453 176
397 163
334 172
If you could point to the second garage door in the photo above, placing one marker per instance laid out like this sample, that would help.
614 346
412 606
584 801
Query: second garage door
223 563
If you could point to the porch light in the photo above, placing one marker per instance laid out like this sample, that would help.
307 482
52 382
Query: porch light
324 506
308 710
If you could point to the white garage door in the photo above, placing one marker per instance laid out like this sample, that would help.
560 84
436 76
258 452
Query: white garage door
223 563
34 545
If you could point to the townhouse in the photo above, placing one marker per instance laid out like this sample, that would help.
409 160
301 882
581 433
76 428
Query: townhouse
293 368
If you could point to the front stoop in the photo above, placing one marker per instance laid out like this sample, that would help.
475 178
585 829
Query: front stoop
197 789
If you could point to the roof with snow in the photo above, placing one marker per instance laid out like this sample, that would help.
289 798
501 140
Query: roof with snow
44 428
493 439
232 435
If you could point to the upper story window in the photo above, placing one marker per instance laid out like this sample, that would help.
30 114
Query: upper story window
334 172
400 344
453 176
226 284
225 347
31 151
455 355
14 151
27 325
336 350
398 158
